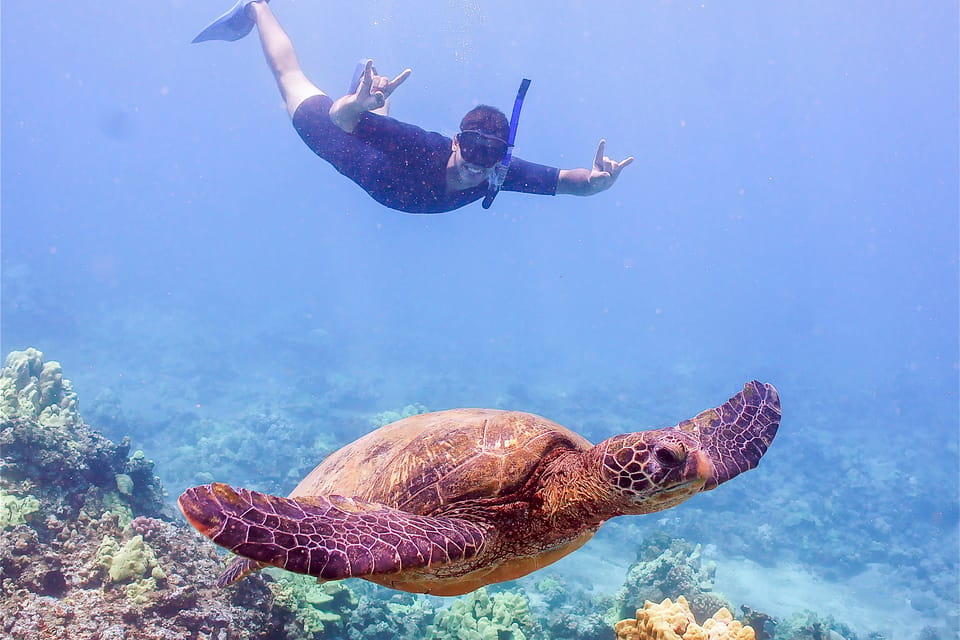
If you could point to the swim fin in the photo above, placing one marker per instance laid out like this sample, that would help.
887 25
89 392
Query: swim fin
233 25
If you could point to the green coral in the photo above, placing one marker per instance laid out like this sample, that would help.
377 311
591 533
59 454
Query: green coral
133 564
124 484
19 371
387 417
552 590
807 625
132 561
415 608
141 591
36 390
97 505
14 510
316 607
482 616
108 548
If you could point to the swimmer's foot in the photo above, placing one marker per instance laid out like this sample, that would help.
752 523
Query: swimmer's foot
233 25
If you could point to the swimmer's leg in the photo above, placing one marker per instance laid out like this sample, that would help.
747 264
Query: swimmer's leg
278 50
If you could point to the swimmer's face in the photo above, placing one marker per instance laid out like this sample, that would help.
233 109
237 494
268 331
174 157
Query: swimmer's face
470 174
481 149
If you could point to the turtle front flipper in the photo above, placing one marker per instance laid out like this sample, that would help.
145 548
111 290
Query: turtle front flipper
736 434
330 537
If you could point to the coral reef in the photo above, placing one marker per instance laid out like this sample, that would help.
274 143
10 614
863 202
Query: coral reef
807 625
314 608
384 614
14 510
36 390
151 579
574 623
386 417
763 624
131 561
675 621
90 550
566 611
83 555
262 448
552 589
485 616
52 461
664 568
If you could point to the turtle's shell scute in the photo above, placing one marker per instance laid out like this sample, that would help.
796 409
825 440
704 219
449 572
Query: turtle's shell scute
423 463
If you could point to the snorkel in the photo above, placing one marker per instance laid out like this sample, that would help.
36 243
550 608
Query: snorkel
500 170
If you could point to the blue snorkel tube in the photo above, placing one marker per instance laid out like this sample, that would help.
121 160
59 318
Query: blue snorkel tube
500 171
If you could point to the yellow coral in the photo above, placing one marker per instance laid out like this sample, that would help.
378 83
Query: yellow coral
721 626
674 621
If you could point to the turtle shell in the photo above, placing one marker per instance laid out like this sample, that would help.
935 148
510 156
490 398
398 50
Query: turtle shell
425 463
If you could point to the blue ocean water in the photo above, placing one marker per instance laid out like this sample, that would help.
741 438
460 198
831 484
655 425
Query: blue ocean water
791 216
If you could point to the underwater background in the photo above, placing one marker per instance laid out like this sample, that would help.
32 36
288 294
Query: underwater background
238 310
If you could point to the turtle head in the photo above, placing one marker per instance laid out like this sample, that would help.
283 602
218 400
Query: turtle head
650 471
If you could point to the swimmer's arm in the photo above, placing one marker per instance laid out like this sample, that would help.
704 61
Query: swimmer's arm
586 182
372 94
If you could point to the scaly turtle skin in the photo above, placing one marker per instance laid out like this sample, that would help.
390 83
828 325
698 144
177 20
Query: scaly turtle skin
447 502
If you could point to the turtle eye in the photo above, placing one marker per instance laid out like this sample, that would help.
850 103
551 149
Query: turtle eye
670 454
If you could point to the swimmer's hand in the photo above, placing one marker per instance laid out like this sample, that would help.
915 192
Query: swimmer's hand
372 94
600 177
374 89
605 170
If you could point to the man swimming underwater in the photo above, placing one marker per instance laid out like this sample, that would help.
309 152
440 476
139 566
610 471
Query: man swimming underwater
401 165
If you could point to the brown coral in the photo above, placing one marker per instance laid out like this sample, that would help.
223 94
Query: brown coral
674 621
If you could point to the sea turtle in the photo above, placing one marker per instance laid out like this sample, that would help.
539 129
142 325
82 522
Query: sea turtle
447 502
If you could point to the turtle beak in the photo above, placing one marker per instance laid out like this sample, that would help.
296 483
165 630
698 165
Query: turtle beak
706 473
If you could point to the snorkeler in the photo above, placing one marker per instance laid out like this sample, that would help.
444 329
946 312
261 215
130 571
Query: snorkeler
401 165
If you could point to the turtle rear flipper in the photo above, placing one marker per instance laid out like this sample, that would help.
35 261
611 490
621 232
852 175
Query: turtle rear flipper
238 569
330 537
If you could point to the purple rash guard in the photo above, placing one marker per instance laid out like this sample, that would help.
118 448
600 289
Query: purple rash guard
401 165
